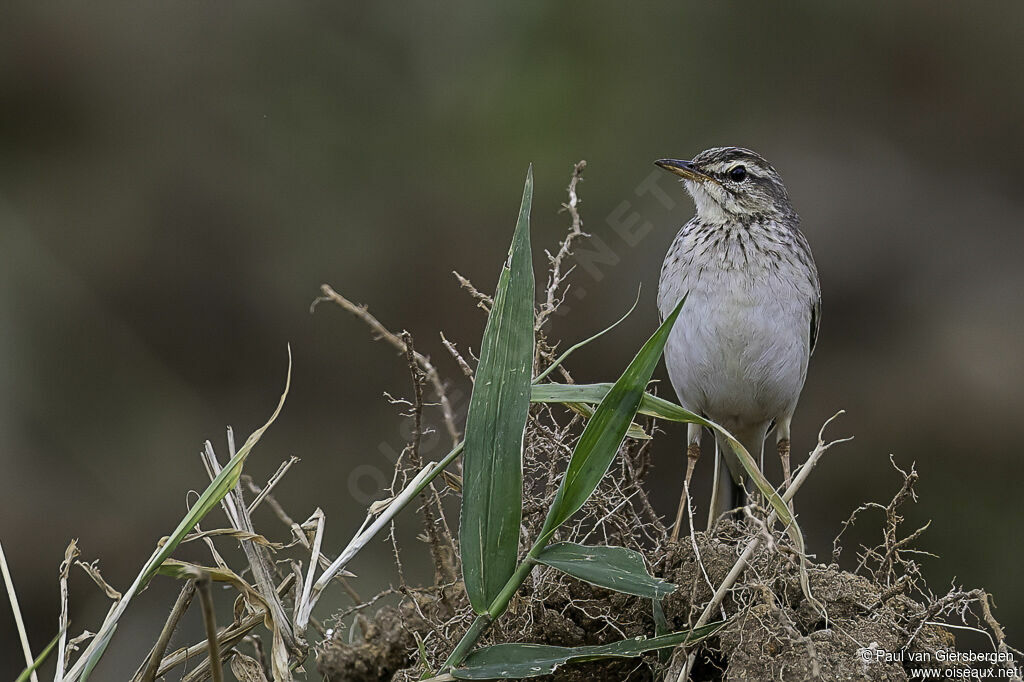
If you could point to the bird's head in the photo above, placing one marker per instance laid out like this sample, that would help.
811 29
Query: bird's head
731 183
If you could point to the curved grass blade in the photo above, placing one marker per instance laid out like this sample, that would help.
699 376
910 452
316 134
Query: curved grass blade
653 406
614 568
660 408
507 661
606 430
26 674
184 570
211 497
492 463
576 346
660 628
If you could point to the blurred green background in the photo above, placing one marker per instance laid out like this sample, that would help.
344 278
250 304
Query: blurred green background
177 180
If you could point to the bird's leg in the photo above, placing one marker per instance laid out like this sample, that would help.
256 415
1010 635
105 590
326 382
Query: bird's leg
783 447
692 455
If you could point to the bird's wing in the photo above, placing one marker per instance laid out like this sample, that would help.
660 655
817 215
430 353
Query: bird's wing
815 322
812 273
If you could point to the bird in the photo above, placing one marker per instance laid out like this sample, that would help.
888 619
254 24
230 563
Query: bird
739 350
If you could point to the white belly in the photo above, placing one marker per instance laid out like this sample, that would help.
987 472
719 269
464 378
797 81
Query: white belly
739 350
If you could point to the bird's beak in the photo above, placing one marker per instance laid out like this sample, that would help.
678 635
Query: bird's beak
684 169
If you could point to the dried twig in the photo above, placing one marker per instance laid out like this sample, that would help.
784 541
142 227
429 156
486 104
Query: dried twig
463 365
554 293
444 569
795 635
369 530
382 332
1002 647
482 300
885 563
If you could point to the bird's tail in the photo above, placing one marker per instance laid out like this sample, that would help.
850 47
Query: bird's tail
726 494
730 491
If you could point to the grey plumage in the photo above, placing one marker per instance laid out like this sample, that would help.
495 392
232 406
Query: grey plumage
739 351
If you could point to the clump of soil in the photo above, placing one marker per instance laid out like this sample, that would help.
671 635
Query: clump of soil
773 631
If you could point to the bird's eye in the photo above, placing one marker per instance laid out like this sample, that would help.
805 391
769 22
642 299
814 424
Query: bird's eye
738 174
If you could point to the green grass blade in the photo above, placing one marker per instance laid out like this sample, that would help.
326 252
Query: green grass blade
97 655
515 661
211 497
660 408
576 346
592 394
661 627
219 486
614 568
40 659
492 464
605 431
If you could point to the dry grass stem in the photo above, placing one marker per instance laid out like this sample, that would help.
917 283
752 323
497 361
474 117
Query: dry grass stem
181 604
285 641
227 638
62 645
274 480
202 582
298 533
18 622
92 570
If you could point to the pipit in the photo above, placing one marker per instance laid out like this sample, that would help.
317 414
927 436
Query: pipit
738 353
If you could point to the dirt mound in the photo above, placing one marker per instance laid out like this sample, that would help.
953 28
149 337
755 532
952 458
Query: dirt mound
773 631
